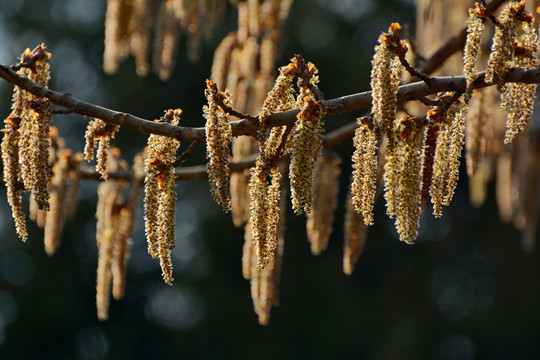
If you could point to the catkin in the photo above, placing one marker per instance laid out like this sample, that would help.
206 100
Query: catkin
408 192
446 164
355 233
472 51
307 147
35 114
107 231
218 139
56 215
324 201
365 165
165 40
502 46
264 214
385 78
10 160
101 131
518 99
264 282
160 196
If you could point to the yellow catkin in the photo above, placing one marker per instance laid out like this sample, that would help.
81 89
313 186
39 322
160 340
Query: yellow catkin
139 27
446 163
518 99
385 78
10 160
56 215
101 131
107 231
472 51
408 193
34 130
116 34
478 131
355 233
241 148
457 114
218 139
222 59
324 201
165 40
160 196
307 147
365 165
264 282
126 217
264 214
502 46
103 281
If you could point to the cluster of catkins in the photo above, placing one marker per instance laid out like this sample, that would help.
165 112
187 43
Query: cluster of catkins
245 62
416 158
128 25
34 159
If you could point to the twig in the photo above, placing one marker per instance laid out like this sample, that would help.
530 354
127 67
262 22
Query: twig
483 7
29 61
186 154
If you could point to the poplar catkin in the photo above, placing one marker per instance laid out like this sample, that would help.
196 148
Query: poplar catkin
160 196
324 201
472 51
218 140
264 214
365 165
355 233
408 193
35 114
307 147
10 161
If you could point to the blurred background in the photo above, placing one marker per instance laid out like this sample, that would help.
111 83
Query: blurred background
465 290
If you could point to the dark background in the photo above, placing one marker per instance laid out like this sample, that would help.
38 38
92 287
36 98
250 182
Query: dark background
465 290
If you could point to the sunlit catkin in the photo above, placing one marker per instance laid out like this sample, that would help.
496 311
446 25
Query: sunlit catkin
365 166
446 165
101 131
160 196
110 200
140 23
408 193
222 59
385 78
165 40
264 282
518 99
472 50
10 160
34 130
264 214
56 215
355 233
126 218
478 131
307 147
218 140
324 201
502 46
116 34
